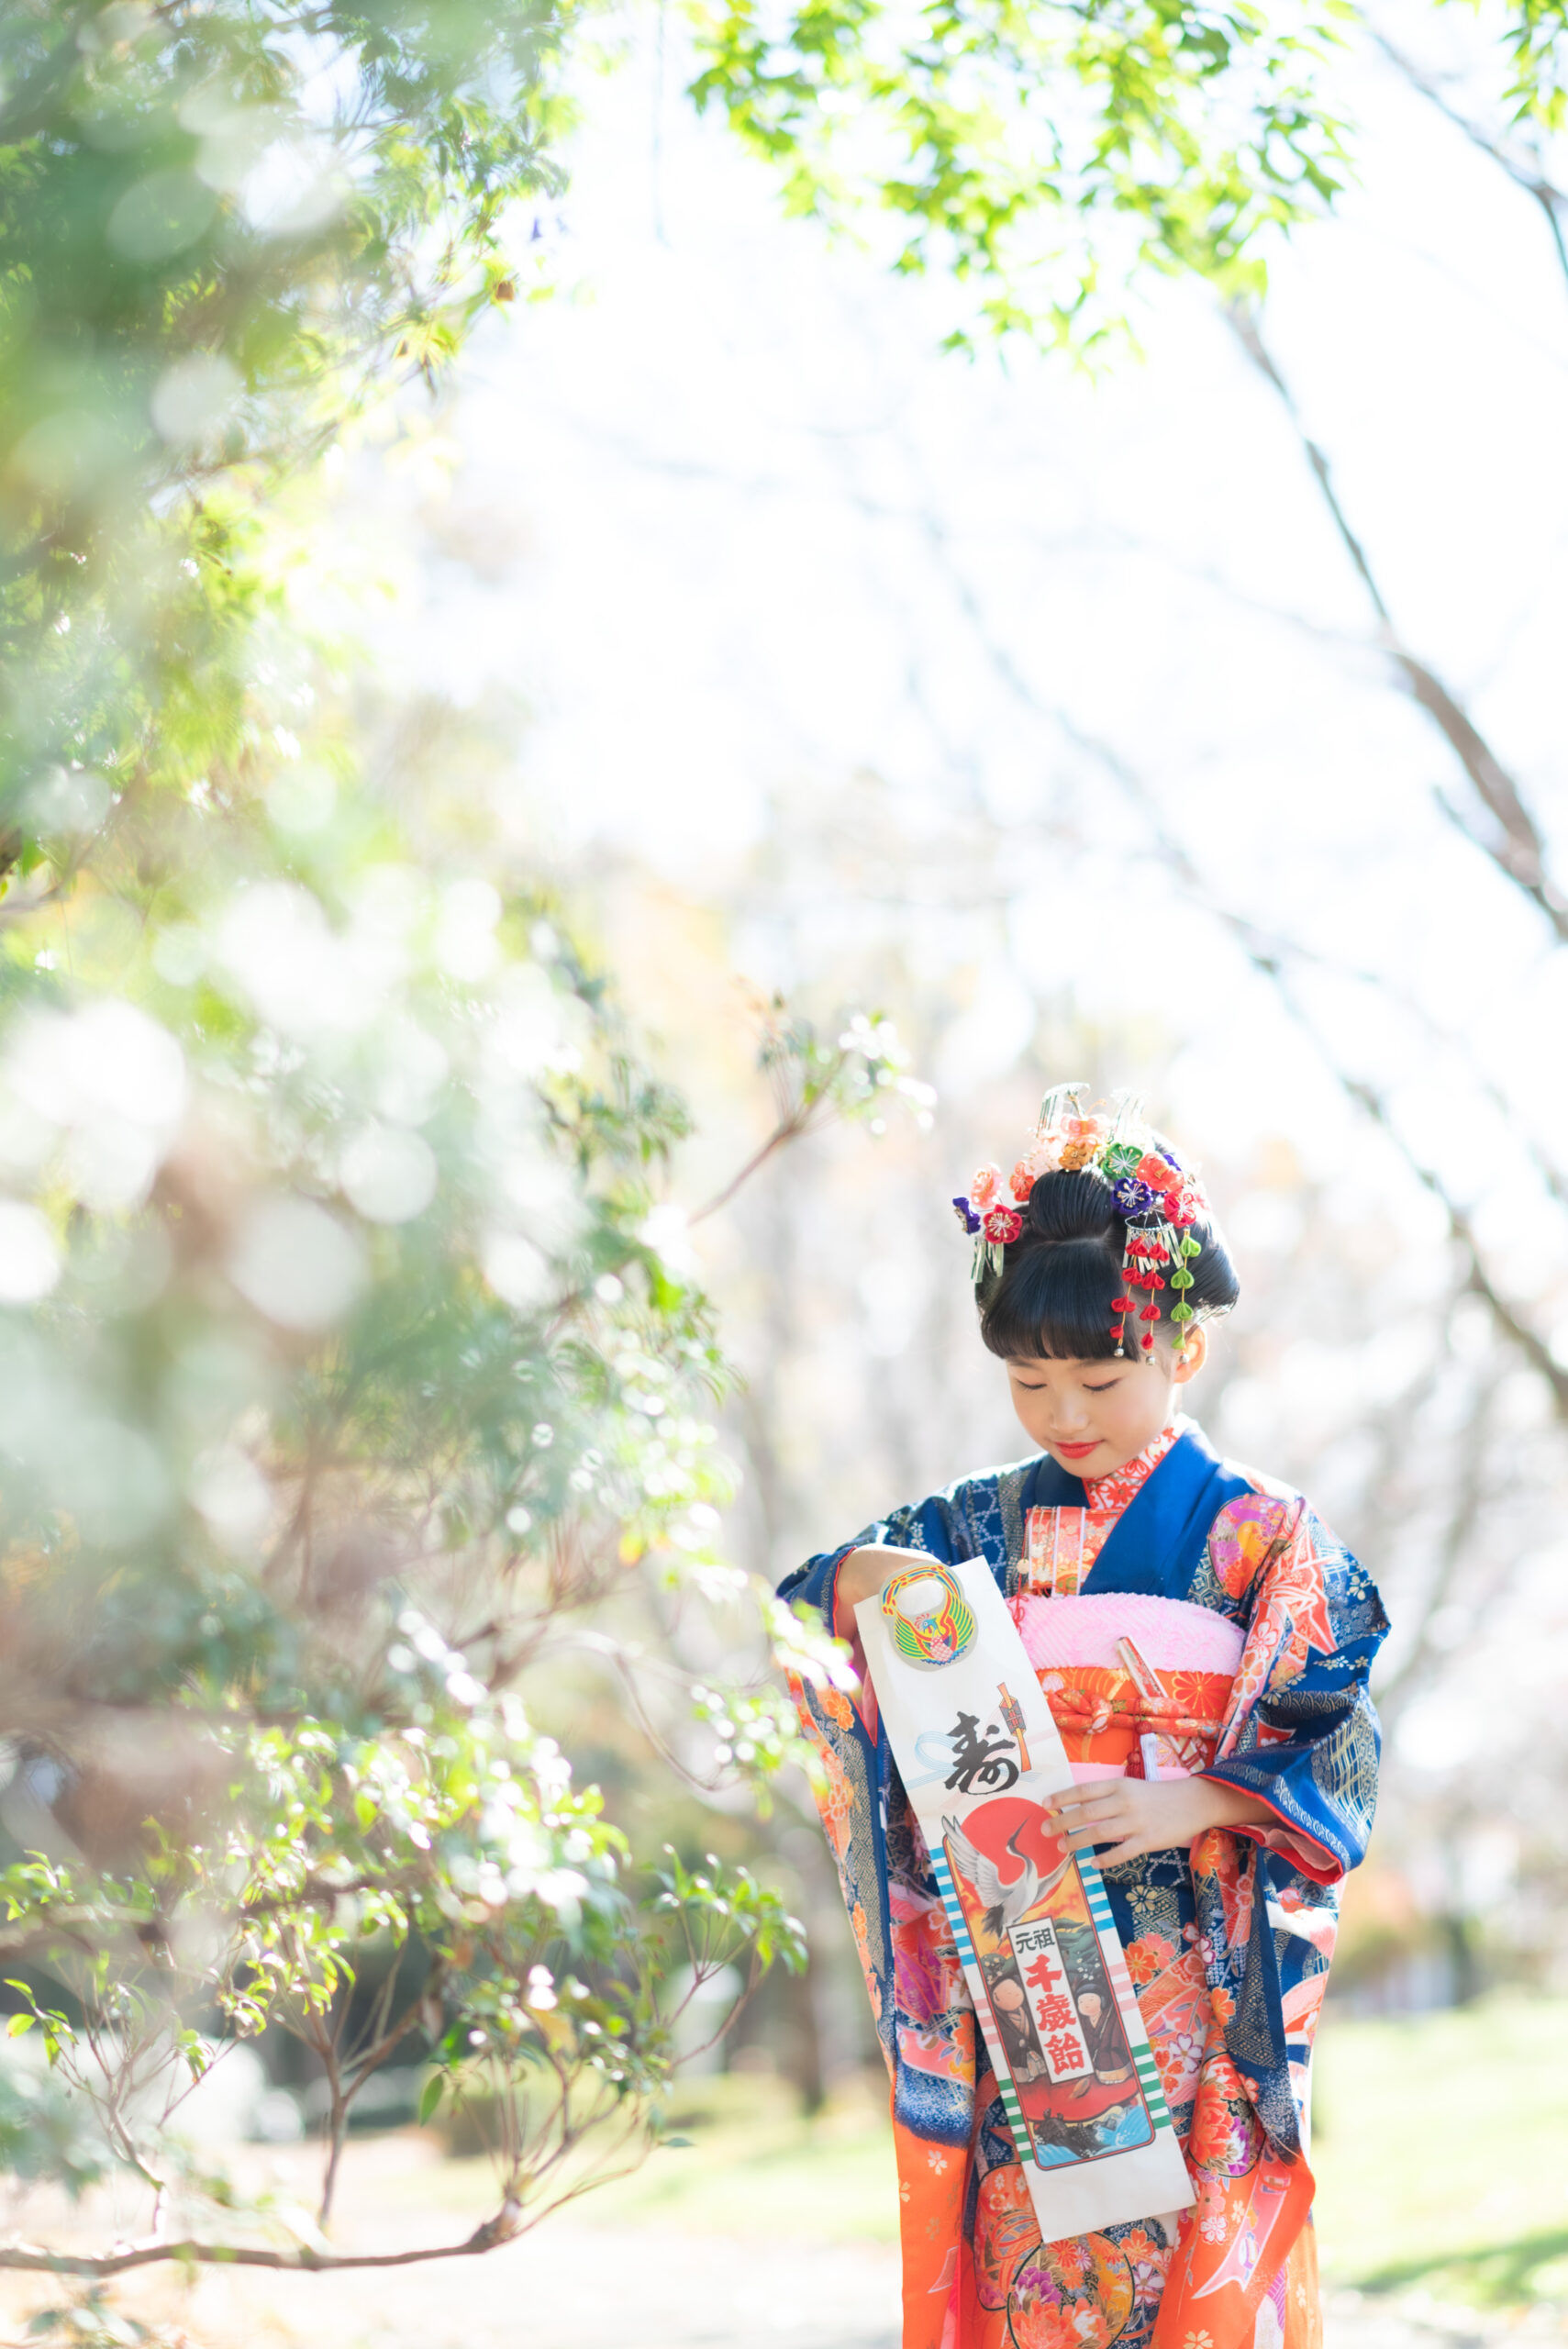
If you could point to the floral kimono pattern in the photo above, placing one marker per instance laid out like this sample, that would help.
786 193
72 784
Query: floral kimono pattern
1181 1615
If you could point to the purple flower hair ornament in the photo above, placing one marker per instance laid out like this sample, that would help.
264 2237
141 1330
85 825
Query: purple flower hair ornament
1158 1198
1133 1197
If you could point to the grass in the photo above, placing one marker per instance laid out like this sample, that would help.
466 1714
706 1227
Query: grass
754 2162
745 2161
1441 2153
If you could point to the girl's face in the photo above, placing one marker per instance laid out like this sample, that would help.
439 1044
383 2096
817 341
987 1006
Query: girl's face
1094 1416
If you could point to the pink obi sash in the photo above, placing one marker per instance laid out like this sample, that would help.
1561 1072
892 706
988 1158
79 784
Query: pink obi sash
1138 1687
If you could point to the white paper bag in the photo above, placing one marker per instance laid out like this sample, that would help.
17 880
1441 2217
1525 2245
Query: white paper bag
980 1755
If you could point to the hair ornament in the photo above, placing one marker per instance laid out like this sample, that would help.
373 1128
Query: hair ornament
1157 1198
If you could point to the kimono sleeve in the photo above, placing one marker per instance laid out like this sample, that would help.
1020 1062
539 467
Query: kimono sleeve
924 2020
1300 1736
949 1526
1302 1733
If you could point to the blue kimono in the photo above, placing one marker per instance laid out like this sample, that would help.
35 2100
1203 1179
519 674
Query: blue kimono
1183 1615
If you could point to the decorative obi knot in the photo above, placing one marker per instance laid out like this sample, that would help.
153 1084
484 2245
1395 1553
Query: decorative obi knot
1104 1717
1119 1668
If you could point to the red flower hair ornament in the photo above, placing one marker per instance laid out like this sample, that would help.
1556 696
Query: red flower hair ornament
1157 1198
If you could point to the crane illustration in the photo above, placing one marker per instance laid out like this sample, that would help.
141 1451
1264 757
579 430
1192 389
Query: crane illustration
1004 1902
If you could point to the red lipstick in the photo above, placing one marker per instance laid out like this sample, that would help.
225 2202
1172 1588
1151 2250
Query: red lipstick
1077 1450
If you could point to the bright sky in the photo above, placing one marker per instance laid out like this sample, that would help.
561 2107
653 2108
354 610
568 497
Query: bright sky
745 531
733 528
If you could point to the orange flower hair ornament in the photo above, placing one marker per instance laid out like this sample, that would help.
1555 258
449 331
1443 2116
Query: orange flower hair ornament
1157 1198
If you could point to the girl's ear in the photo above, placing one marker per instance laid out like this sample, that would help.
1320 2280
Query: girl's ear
1193 1354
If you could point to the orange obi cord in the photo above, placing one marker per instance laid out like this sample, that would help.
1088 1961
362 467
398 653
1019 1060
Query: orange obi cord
1103 1715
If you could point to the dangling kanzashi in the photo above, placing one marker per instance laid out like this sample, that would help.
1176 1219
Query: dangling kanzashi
1157 1198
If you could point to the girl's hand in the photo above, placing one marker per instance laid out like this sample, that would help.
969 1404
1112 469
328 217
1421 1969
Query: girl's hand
1136 1815
863 1572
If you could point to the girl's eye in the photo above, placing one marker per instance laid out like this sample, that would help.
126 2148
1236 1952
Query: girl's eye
1109 1388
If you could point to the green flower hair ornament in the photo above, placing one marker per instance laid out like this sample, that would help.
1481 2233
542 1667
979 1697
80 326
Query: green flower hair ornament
1157 1198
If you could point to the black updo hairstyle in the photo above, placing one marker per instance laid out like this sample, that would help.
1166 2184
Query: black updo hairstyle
1052 1295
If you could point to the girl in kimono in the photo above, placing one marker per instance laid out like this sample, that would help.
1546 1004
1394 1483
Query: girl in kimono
1204 1643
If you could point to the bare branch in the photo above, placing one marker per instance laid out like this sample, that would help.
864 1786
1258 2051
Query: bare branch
1470 1500
788 1129
1516 847
796 1117
1269 953
1506 1315
1535 185
507 2223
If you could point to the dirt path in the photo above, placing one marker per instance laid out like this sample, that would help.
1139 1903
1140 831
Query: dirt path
577 2286
570 2288
582 2288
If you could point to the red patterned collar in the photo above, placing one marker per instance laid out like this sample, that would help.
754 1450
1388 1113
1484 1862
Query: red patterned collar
1108 1496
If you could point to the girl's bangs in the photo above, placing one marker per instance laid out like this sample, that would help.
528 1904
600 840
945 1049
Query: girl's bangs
1054 1302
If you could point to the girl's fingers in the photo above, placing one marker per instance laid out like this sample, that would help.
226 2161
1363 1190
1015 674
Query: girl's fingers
1103 1815
1107 1806
1096 1801
1103 1831
1129 1849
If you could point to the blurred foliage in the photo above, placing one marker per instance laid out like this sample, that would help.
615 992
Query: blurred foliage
339 1307
1041 152
359 1385
1536 33
356 1358
1042 155
90 2322
222 228
44 2130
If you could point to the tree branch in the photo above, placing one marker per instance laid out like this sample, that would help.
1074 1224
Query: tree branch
1478 1280
788 1129
1517 848
1470 1499
507 2223
796 1117
1535 185
1270 955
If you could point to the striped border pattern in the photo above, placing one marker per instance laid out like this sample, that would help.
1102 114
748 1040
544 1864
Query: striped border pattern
970 1964
1110 1942
1105 1924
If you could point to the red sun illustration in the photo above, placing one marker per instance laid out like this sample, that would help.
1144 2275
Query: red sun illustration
994 1825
